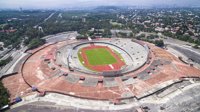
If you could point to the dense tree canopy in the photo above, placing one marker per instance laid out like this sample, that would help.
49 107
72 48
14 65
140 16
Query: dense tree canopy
29 25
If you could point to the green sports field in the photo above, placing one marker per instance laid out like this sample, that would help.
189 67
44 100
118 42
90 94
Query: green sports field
100 56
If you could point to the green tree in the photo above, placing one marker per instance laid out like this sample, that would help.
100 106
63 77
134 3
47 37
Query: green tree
4 95
196 46
1 48
159 43
34 43
6 61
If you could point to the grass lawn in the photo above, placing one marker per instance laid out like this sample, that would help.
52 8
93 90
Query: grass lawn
100 56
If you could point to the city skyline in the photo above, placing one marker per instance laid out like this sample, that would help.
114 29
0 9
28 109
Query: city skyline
52 4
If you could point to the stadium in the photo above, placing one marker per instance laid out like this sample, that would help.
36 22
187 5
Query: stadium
77 67
116 70
102 57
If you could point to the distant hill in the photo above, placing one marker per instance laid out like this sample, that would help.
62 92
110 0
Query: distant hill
109 8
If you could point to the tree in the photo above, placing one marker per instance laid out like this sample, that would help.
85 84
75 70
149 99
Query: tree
159 43
6 61
1 48
196 46
34 43
81 37
4 95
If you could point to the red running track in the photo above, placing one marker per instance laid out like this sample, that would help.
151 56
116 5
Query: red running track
102 68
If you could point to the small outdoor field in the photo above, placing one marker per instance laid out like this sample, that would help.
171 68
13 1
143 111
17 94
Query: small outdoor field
100 58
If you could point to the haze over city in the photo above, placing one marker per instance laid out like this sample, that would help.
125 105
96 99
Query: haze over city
51 4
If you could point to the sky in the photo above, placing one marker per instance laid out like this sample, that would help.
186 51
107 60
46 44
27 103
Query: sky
50 4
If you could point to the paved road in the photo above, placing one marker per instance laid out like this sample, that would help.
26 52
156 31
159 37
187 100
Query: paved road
184 48
188 53
187 101
49 107
60 37
44 20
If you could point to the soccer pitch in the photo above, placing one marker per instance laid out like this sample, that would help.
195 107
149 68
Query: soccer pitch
100 56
